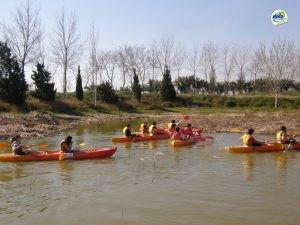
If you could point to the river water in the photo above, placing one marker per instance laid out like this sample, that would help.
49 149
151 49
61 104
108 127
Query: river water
152 183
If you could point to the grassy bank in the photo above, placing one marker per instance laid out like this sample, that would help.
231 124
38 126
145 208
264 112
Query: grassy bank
153 103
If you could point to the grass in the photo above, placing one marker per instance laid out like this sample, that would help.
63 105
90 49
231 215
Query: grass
152 103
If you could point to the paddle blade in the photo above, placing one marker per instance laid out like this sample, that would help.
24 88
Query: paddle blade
43 145
4 146
209 137
297 132
235 130
82 144
200 138
186 117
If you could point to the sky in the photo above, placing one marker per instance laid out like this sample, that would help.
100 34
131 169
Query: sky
189 22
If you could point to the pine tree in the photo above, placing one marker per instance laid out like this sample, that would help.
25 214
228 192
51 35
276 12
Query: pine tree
167 90
79 89
44 90
136 87
13 85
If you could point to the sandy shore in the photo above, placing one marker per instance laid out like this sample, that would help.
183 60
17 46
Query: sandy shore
36 124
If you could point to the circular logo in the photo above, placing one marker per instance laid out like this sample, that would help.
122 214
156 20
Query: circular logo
279 17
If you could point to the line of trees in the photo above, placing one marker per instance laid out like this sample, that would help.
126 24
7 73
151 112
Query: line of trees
206 68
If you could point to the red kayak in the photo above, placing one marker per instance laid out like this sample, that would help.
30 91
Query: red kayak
58 155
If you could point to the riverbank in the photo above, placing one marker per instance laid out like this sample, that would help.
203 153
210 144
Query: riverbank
37 124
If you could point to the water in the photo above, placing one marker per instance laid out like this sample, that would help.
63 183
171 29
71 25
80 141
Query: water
152 183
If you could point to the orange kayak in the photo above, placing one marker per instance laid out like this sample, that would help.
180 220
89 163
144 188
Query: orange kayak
274 147
142 137
57 155
294 146
180 143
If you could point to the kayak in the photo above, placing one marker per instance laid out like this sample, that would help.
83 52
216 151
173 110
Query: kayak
142 137
294 146
274 147
180 143
52 155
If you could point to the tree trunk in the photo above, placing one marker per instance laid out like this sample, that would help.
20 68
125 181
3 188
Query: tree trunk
276 100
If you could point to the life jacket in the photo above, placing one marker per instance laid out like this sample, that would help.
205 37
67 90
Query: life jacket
187 131
247 139
124 131
65 147
152 129
278 136
170 125
143 128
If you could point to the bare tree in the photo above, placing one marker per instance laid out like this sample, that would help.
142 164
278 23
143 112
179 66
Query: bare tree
194 60
278 64
24 34
93 60
153 59
228 64
110 63
210 56
142 64
66 46
179 59
122 65
165 53
241 61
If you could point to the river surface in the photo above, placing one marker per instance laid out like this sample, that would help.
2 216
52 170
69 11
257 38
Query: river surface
152 183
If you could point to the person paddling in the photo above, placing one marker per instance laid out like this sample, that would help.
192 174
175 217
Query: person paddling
127 132
143 128
178 135
67 144
153 130
19 149
187 130
249 140
172 123
282 137
172 130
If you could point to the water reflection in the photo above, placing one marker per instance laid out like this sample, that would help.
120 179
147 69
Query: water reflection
248 166
281 161
65 172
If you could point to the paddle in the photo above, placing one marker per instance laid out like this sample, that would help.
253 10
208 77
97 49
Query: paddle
186 117
199 138
40 146
236 130
209 137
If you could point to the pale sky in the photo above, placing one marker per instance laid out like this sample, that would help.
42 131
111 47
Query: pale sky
138 22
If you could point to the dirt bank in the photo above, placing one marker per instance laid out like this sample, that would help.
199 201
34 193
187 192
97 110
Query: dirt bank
36 124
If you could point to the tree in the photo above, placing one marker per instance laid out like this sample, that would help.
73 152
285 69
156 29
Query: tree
44 90
136 87
106 93
228 63
278 64
167 90
24 35
241 60
13 86
66 47
79 89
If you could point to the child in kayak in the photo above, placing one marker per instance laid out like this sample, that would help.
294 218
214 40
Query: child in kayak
153 130
171 123
143 128
127 132
283 138
172 130
19 149
188 130
178 135
66 145
249 140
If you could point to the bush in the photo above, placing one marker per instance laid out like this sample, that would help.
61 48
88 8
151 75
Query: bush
106 93
231 102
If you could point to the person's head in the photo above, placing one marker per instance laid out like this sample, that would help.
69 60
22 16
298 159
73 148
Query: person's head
172 121
250 131
177 129
145 122
68 139
15 138
154 123
128 125
189 125
145 126
173 125
283 128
